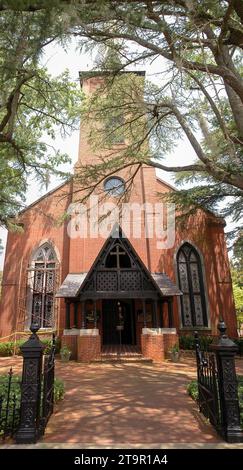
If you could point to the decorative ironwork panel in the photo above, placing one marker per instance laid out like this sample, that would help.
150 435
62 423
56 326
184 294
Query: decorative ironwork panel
130 280
106 281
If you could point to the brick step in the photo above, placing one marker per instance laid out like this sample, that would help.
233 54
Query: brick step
115 355
123 358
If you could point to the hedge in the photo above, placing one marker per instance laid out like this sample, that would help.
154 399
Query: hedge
188 342
8 348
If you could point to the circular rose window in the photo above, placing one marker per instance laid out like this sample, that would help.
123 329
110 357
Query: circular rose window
115 186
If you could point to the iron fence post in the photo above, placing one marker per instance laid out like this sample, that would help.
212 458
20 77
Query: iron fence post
225 350
32 351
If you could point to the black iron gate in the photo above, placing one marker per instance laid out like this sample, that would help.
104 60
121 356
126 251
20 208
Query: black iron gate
208 392
218 396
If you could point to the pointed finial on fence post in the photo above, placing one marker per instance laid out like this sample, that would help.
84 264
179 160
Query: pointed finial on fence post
222 328
34 327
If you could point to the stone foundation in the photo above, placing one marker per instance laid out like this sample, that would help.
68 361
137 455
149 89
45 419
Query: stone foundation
156 342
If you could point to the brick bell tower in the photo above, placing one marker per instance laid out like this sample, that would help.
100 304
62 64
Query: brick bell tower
144 190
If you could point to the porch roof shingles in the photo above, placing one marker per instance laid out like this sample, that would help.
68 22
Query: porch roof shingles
165 284
72 285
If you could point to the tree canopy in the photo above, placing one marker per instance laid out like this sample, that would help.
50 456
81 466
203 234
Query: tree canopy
198 92
34 107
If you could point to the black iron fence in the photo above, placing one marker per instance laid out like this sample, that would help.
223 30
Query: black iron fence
10 392
26 403
47 399
217 385
37 389
208 393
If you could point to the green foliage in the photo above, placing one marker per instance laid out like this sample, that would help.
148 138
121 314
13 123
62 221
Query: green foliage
174 349
10 347
239 342
198 94
238 296
6 349
188 342
59 390
34 108
193 96
65 351
192 389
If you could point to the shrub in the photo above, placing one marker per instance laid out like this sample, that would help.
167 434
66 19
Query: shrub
188 341
192 389
6 349
239 343
59 390
9 347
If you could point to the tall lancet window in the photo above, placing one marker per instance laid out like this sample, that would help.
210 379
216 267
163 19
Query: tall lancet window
43 273
193 303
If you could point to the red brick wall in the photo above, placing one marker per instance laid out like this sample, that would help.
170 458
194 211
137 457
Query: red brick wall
157 346
153 347
71 343
88 348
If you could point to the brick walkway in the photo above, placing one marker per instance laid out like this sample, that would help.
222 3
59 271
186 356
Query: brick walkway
127 403
114 404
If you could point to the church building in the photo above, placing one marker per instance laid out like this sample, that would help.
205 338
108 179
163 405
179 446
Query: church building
120 293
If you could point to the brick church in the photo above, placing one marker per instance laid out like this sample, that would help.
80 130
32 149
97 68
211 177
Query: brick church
119 292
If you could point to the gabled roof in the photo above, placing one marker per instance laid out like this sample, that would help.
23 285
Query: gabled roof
158 284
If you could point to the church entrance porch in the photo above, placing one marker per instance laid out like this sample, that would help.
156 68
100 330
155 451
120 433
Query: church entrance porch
119 302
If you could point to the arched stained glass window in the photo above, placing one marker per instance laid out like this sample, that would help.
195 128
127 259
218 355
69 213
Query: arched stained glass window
193 303
43 282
